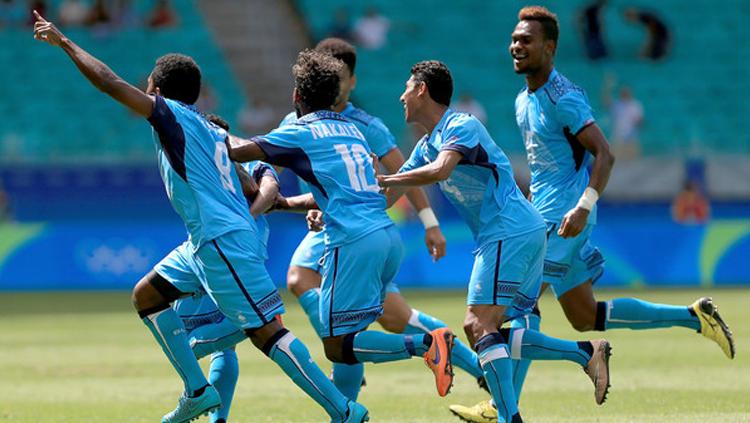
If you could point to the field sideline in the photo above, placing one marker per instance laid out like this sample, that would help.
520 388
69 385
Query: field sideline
85 357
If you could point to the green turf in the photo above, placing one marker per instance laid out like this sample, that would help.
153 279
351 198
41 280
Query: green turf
86 357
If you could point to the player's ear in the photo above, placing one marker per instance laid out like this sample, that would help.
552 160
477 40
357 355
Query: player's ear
295 96
157 91
353 82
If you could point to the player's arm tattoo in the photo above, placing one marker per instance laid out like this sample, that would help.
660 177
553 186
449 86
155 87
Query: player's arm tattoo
595 142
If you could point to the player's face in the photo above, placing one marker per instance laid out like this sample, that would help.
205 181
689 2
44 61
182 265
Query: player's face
528 47
410 98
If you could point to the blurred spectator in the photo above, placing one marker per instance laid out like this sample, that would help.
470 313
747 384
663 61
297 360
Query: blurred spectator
341 26
468 104
592 29
626 115
6 214
12 13
258 118
38 5
371 30
98 15
124 14
72 13
657 33
162 15
691 206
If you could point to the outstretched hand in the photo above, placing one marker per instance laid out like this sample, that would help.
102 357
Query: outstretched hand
46 31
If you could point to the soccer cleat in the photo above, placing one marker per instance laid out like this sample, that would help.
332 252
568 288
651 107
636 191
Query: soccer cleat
356 413
598 369
483 412
438 359
712 325
189 409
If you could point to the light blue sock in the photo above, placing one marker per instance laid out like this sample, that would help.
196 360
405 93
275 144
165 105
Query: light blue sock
632 313
534 345
169 332
294 359
310 302
348 378
223 376
496 364
215 337
461 355
521 367
378 347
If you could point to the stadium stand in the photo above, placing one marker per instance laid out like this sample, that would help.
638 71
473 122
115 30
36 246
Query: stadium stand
701 109
81 124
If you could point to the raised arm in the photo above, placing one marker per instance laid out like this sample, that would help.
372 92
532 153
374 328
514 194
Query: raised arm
242 150
591 138
437 171
99 74
268 190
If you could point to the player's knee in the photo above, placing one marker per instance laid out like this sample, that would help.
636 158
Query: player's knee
582 322
471 328
146 298
393 324
300 280
340 349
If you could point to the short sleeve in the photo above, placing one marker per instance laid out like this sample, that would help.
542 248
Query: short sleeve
262 170
416 159
278 144
379 138
574 112
461 135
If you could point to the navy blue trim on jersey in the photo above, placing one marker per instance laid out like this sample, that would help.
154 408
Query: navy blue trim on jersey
333 288
292 158
171 135
497 272
578 150
240 284
261 171
476 156
320 115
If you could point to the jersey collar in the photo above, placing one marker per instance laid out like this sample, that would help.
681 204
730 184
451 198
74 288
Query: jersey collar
441 124
348 109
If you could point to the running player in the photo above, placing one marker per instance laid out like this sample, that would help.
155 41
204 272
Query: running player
561 137
224 254
208 330
363 247
476 176
303 278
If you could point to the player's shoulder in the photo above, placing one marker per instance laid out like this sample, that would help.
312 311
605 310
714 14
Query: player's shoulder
560 88
460 121
290 118
361 117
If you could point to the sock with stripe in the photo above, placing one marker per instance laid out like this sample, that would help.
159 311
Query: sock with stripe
534 345
214 337
348 378
294 359
496 364
310 304
223 376
169 332
378 347
632 313
461 355
521 366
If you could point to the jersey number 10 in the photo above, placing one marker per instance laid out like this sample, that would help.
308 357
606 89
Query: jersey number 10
356 159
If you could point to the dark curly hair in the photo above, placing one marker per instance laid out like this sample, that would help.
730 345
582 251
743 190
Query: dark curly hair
438 79
340 49
316 78
218 121
178 77
542 15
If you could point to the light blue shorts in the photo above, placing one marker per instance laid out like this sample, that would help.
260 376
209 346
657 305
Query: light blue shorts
355 277
231 271
309 254
509 273
208 330
571 262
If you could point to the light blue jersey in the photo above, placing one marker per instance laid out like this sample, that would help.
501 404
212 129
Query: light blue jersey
481 187
549 119
257 171
200 180
378 136
331 154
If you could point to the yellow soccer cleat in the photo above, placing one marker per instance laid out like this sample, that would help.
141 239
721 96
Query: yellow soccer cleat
483 412
712 325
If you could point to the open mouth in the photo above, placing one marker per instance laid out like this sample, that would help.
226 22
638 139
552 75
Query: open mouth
518 57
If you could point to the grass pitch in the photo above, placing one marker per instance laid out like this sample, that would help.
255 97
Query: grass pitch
85 357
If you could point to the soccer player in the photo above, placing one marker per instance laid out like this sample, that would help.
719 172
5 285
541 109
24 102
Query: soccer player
303 278
224 256
363 247
476 176
208 330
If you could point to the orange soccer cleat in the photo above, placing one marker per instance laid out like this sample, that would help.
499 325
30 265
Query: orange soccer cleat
438 359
